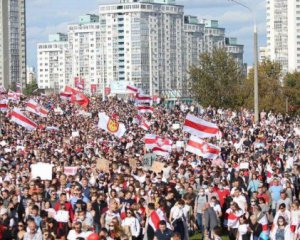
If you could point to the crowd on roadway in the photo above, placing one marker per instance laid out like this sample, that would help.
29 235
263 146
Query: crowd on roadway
251 191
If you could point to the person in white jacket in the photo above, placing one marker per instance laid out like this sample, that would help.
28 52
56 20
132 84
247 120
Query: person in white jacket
132 223
295 219
281 230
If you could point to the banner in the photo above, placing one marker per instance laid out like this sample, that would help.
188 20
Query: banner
42 170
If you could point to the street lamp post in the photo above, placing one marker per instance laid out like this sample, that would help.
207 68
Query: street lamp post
255 55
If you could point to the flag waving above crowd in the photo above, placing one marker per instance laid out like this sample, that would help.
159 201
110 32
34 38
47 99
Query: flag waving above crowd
158 145
201 148
71 94
33 107
145 171
111 125
3 105
18 117
199 127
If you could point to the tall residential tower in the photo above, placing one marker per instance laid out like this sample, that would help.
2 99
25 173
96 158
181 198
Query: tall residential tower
283 33
12 43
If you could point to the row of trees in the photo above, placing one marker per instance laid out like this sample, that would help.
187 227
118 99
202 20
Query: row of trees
218 80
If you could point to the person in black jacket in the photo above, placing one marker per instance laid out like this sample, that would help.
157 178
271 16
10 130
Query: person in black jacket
255 227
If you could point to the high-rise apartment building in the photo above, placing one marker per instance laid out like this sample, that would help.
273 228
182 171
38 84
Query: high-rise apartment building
13 43
151 44
143 41
214 36
54 63
30 75
235 49
84 45
283 33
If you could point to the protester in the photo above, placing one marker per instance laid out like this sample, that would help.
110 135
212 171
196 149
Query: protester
100 183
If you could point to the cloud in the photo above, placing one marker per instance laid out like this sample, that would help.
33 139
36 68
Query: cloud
203 3
51 16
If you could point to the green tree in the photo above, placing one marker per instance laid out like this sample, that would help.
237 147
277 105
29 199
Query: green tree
270 90
292 90
30 88
216 80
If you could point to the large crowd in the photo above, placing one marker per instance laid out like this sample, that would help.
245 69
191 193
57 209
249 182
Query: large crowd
250 191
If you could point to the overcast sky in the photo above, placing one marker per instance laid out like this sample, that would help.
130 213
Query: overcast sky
52 16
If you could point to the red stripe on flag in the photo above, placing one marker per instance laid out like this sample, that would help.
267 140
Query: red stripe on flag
3 105
195 144
200 127
155 219
212 150
23 118
31 105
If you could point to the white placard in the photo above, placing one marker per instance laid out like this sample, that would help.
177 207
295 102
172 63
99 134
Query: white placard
244 165
20 148
175 126
7 150
259 145
3 143
42 170
75 134
70 171
62 216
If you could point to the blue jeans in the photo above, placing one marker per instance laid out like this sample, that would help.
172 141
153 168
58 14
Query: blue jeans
199 222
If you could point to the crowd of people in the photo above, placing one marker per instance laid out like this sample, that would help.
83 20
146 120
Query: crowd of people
190 196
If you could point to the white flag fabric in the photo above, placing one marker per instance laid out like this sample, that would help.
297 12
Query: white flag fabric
66 96
145 109
143 99
145 125
111 125
15 96
199 127
18 117
150 141
3 105
33 107
132 89
159 146
201 148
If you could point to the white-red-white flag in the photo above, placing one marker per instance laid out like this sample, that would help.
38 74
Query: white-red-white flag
201 148
13 95
155 217
18 117
145 125
154 220
132 89
160 151
65 96
199 127
150 141
3 105
142 99
33 107
159 146
145 109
